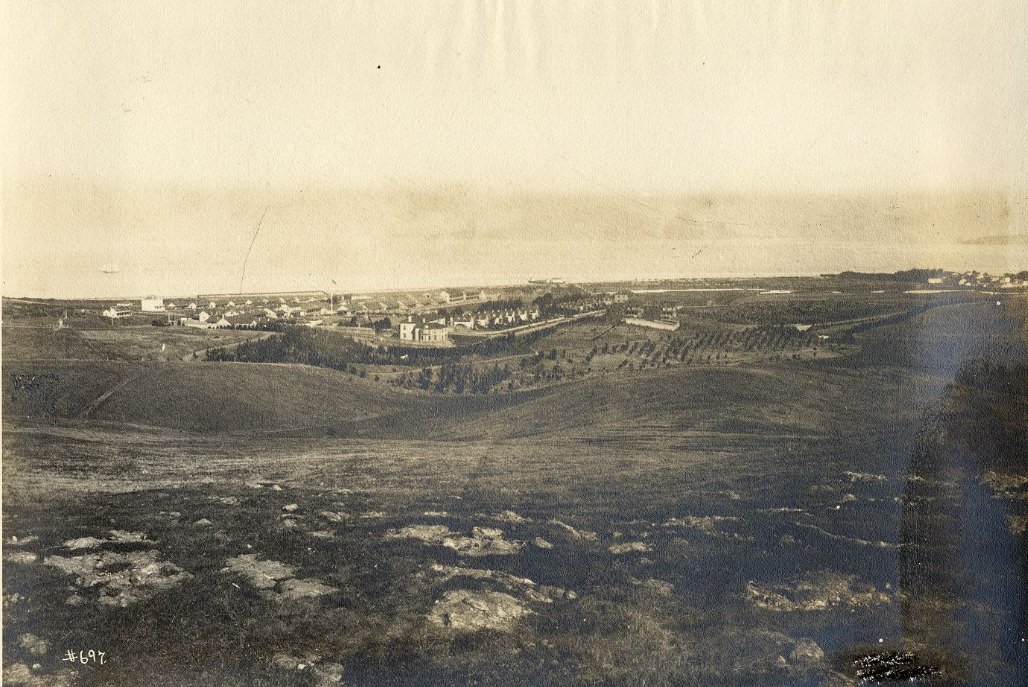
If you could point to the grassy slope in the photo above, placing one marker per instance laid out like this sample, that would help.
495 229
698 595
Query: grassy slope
202 397
780 399
34 339
795 398
48 389
902 367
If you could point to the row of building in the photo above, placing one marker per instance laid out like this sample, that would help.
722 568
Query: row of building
974 278
439 329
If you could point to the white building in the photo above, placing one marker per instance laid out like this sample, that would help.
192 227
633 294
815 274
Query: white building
424 331
433 332
653 324
152 304
408 330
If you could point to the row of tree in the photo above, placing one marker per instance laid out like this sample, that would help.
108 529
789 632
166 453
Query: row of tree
457 378
297 344
457 372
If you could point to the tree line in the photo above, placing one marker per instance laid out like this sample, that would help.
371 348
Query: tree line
457 377
321 348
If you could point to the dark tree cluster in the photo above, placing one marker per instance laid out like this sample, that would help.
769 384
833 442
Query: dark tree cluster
321 348
457 378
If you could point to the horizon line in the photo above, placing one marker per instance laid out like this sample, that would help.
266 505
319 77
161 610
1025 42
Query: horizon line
523 283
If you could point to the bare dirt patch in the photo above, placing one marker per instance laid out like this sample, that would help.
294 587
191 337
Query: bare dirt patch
122 578
818 591
484 541
464 610
260 574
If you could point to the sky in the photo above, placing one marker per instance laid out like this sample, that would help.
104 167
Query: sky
180 147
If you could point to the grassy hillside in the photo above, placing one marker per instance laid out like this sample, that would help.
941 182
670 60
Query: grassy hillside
196 396
794 398
945 338
39 340
901 368
52 389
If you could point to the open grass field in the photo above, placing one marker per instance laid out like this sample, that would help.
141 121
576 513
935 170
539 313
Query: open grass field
763 523
199 397
140 342
664 557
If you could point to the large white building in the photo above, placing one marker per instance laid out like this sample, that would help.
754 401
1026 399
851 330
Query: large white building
434 332
653 324
152 304
408 331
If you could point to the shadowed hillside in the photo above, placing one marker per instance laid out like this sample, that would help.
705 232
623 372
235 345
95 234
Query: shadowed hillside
196 397
803 399
294 399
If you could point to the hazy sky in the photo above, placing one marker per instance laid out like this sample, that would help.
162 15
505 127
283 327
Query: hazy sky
461 142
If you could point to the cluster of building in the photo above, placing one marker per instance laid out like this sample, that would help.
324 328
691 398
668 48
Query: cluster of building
662 317
498 319
975 279
410 303
212 314
430 317
439 329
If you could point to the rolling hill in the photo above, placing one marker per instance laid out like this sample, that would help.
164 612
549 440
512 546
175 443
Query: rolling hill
221 397
800 399
797 399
